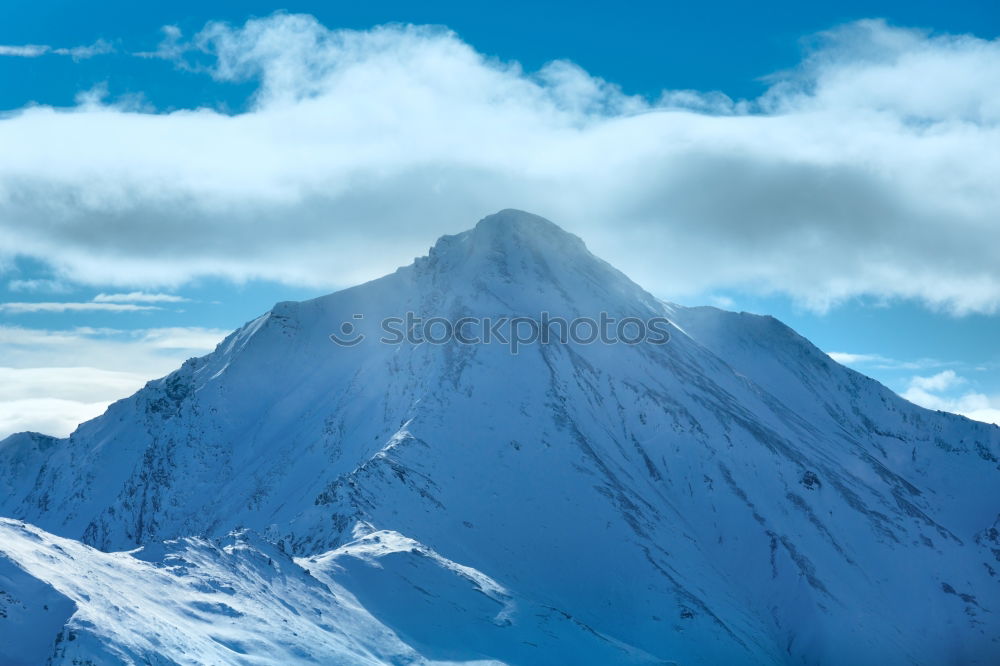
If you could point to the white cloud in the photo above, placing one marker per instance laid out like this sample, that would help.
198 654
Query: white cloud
100 47
51 381
55 400
123 302
870 169
24 51
722 301
927 392
151 351
847 358
942 381
138 297
20 308
50 416
39 284
82 384
879 362
179 337
171 47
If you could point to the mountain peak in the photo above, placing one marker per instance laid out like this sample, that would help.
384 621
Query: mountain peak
511 231
526 229
514 221
514 247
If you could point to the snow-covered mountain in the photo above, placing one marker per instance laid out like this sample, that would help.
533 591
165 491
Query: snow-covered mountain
378 599
733 496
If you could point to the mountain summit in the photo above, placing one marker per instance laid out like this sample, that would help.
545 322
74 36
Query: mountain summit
529 262
731 496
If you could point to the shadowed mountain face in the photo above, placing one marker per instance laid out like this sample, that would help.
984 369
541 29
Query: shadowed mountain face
731 496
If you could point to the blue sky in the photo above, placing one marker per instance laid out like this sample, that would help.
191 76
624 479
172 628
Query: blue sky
802 161
643 46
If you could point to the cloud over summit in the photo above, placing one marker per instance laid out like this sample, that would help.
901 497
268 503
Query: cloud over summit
871 168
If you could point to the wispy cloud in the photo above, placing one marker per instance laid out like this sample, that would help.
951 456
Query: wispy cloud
172 46
100 47
21 308
179 337
847 358
38 285
879 362
109 348
139 297
134 301
24 51
723 301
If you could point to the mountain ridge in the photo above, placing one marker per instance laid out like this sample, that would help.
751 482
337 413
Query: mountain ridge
731 496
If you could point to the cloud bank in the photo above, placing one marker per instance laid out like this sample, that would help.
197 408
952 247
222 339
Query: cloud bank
870 168
50 381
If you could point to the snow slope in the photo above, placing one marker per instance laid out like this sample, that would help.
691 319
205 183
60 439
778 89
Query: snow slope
733 496
240 600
